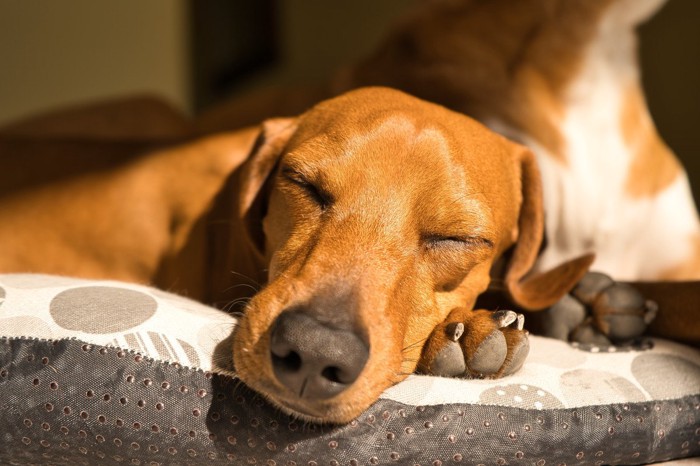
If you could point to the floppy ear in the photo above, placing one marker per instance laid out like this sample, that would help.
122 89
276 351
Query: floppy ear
255 178
537 290
235 237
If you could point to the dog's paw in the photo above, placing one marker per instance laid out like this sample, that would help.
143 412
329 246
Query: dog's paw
599 311
621 313
476 344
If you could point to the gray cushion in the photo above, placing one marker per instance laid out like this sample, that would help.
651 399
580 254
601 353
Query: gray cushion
98 372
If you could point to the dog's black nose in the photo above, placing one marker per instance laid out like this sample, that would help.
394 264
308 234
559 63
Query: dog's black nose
314 359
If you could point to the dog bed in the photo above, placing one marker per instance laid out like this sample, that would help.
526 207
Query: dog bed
102 372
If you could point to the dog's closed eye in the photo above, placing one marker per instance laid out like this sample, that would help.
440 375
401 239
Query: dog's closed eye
313 191
432 240
451 258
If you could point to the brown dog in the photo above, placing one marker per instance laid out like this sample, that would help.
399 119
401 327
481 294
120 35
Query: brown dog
373 217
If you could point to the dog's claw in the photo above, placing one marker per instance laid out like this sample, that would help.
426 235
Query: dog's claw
454 330
504 318
520 324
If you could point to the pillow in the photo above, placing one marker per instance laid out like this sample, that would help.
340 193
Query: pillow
102 372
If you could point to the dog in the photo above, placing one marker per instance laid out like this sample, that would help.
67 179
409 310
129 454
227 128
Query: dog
374 218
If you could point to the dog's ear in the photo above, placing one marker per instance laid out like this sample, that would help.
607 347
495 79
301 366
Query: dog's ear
255 179
235 237
537 290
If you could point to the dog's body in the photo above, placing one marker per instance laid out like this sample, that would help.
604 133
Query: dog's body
104 191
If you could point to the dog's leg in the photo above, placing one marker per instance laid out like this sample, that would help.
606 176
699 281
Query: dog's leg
476 344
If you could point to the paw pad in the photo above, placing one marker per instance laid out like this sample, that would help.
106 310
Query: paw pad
483 344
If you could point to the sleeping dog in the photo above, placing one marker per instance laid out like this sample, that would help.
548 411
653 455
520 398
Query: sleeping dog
374 218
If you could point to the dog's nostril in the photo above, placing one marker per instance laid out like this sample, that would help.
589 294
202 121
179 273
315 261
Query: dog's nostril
313 359
291 361
332 374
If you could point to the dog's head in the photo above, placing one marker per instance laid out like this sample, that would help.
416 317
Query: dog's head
376 214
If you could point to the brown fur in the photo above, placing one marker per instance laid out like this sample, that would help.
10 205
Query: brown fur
90 192
654 166
679 302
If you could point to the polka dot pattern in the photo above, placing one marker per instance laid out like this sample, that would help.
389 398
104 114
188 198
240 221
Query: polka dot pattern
19 325
143 319
521 396
654 373
602 386
100 309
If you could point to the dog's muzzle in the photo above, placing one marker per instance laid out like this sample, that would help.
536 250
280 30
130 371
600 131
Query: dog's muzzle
314 359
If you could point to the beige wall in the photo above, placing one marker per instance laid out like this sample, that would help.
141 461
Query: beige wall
57 52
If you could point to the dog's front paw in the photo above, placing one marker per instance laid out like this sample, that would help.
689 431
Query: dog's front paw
476 344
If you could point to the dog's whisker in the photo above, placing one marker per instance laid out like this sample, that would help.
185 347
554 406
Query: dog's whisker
414 345
240 302
236 314
242 285
250 279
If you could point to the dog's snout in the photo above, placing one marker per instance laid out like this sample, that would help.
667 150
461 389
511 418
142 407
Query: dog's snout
313 359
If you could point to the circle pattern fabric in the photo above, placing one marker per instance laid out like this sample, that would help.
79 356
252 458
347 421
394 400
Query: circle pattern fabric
101 309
